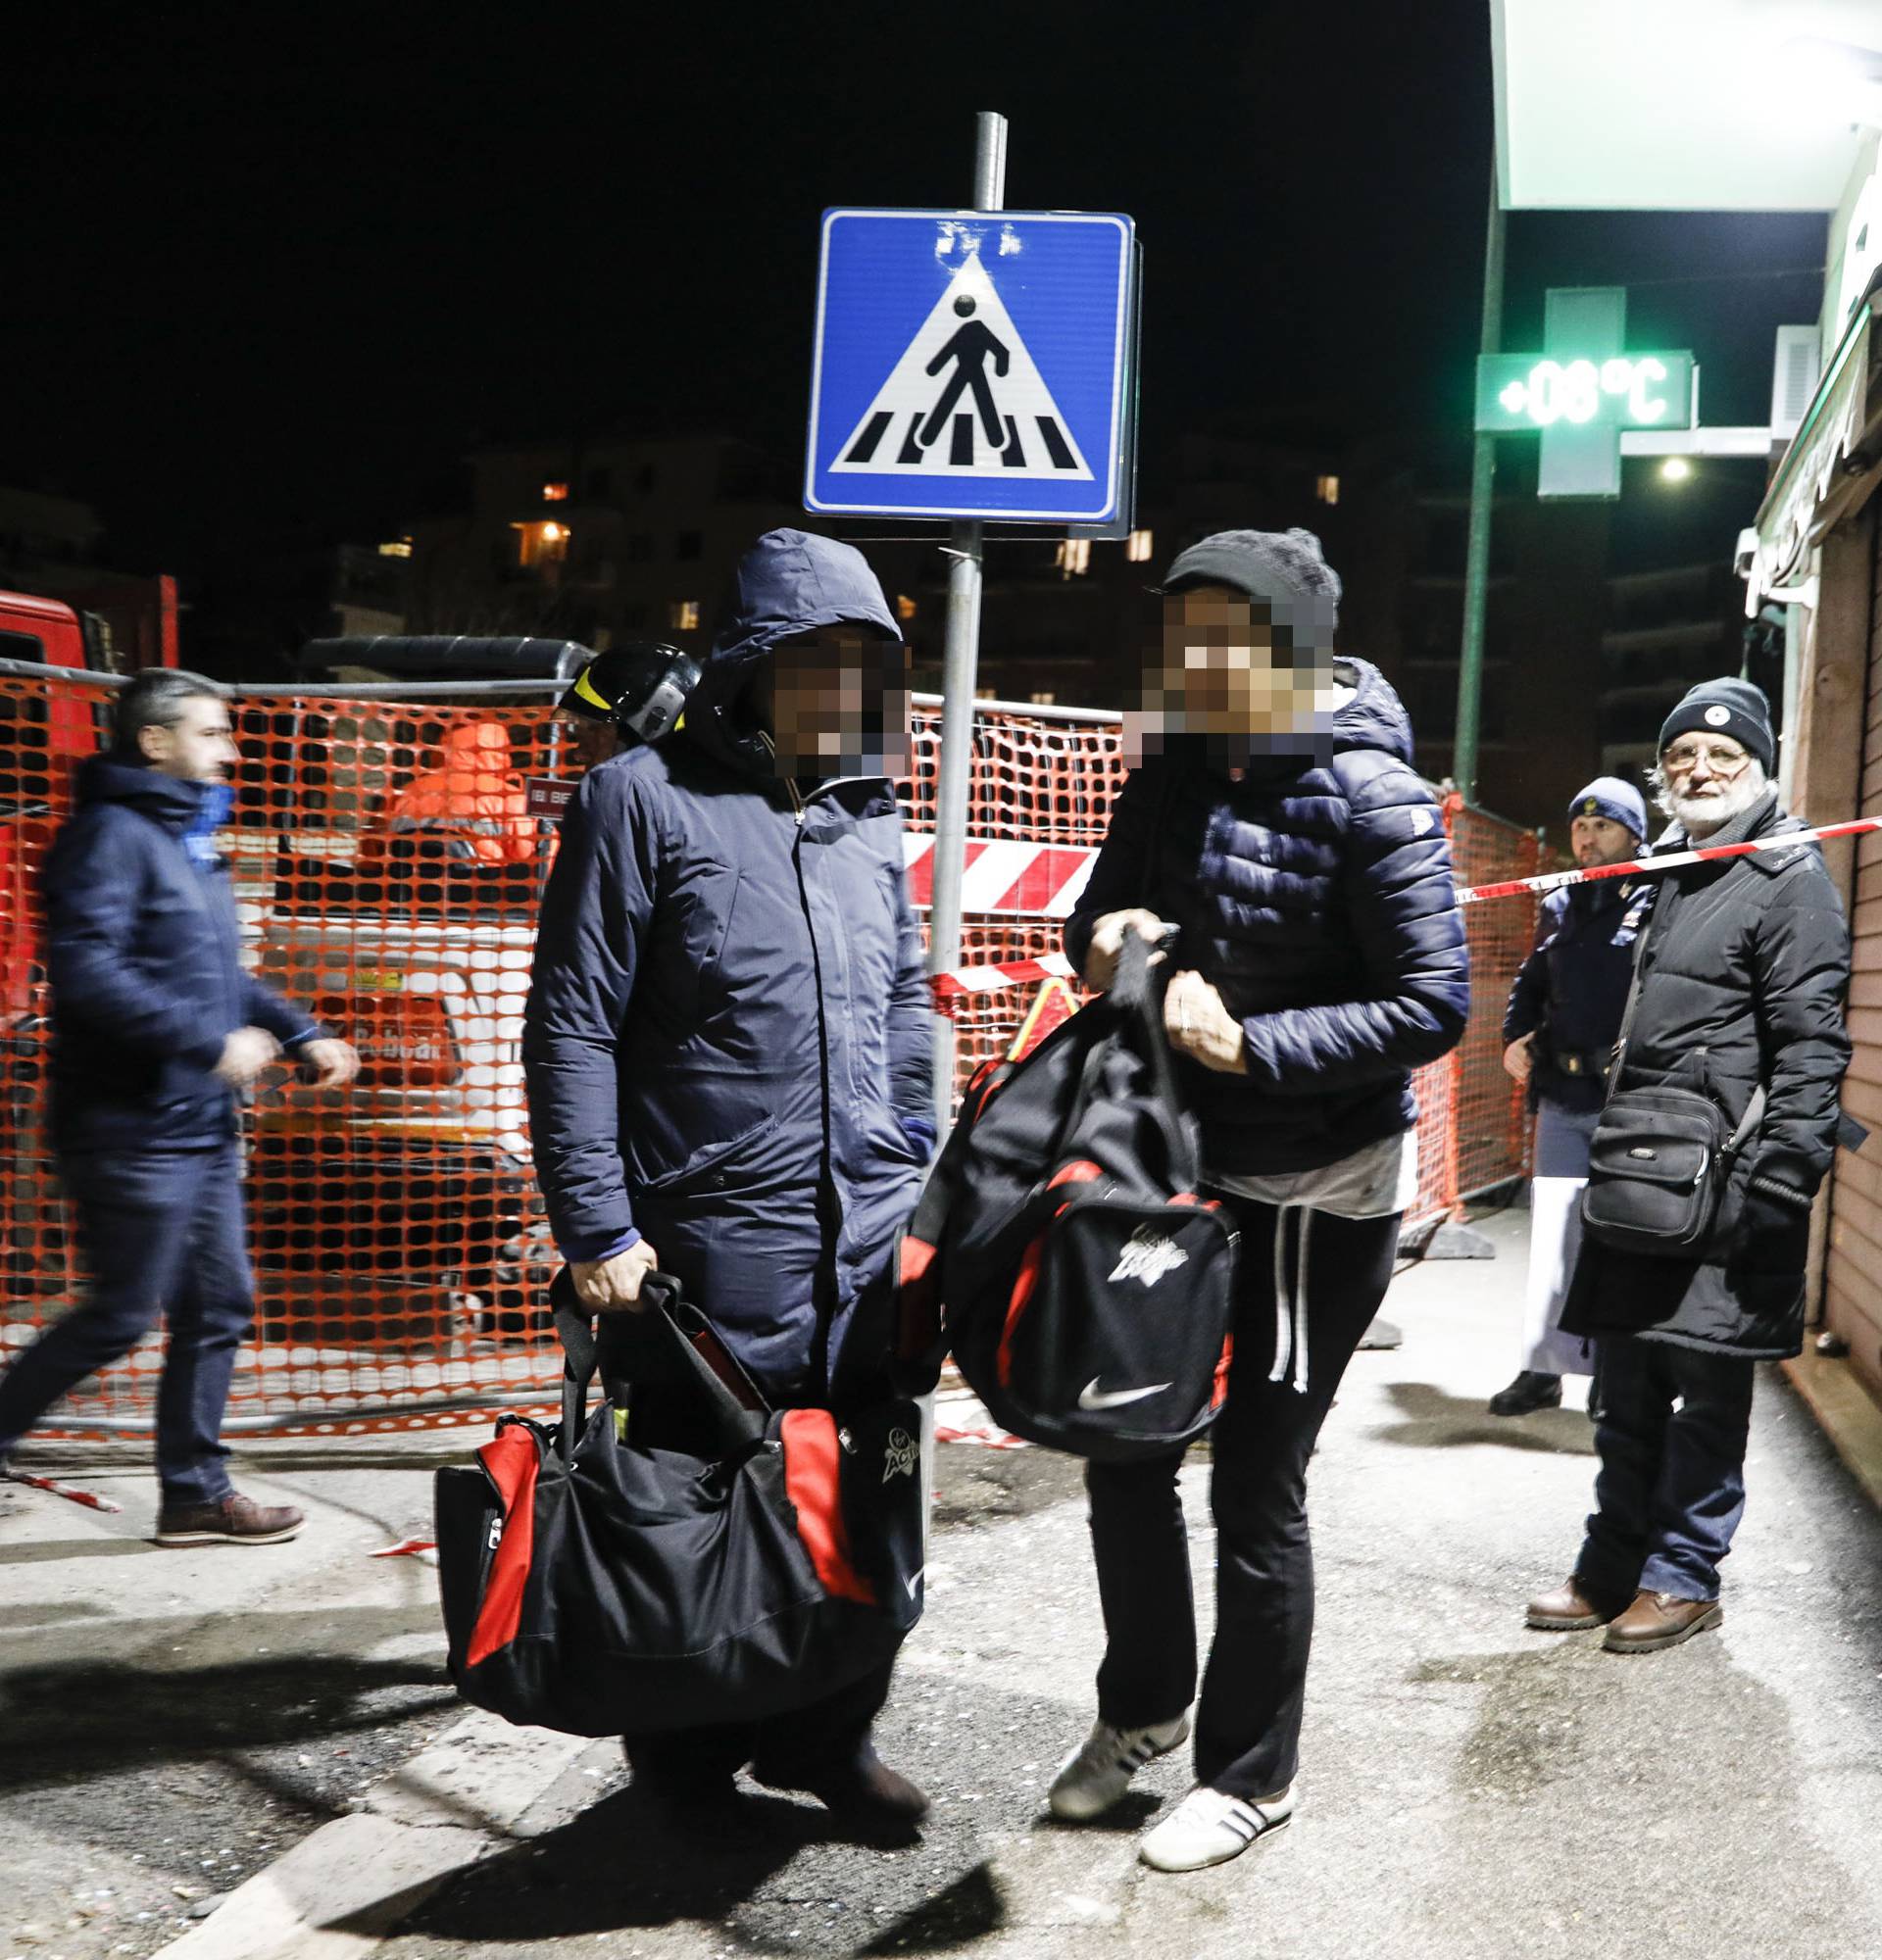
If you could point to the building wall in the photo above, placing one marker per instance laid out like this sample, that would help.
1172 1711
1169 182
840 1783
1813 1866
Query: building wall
1841 750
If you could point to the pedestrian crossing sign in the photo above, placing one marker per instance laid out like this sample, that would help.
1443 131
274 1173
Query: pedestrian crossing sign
974 364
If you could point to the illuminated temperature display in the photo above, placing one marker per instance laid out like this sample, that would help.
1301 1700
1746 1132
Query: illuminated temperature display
1519 391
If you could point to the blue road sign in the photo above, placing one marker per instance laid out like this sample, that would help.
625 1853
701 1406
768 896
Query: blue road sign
972 365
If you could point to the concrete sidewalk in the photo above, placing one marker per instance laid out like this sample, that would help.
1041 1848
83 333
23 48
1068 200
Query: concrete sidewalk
171 1721
1469 1787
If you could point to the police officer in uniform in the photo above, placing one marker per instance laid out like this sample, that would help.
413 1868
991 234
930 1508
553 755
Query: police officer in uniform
1562 1024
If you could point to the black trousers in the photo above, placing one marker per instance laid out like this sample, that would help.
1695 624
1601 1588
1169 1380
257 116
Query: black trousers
1248 1726
789 1748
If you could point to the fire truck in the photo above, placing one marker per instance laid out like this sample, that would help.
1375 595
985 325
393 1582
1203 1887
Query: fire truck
44 733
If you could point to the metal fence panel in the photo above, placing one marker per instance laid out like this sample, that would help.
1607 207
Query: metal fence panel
401 1253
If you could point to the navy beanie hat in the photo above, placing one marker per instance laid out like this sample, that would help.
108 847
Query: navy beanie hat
1285 568
1733 707
1619 802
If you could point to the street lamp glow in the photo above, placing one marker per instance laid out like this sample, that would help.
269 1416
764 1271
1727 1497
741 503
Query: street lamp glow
1675 469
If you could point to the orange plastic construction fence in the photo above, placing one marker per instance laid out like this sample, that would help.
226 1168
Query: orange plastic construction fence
387 873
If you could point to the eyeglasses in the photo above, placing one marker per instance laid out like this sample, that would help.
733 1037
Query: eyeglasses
1685 756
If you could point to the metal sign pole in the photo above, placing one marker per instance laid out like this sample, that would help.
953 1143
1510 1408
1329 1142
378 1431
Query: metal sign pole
961 665
1483 476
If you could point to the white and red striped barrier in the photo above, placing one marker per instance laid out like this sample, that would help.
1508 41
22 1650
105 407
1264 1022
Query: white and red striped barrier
1004 874
952 988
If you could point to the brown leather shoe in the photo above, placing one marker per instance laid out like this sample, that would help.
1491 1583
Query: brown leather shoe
1659 1620
233 1520
1568 1610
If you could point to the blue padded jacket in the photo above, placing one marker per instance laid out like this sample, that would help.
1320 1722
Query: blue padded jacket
1314 892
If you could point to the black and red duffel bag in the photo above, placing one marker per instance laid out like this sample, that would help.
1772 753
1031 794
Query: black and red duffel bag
1061 1247
601 1588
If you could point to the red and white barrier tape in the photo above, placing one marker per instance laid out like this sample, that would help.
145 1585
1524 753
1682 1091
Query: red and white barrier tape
1555 881
952 988
407 1547
91 1501
986 1438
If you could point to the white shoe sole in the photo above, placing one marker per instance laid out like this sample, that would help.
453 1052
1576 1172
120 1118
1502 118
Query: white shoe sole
182 1540
1222 1840
1164 1864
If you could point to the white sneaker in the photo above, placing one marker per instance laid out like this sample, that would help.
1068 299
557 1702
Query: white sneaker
1096 1775
1209 1828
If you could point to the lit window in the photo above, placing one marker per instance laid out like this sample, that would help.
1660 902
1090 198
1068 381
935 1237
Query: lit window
1045 700
682 615
1074 557
1139 546
903 606
541 543
1327 489
554 493
396 547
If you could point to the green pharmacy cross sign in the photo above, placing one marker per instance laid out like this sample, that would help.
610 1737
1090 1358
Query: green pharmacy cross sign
1582 390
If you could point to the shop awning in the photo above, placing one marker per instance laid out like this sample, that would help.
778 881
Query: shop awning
1832 465
1672 105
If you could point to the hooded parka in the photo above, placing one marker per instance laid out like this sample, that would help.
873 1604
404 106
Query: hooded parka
729 1023
1743 977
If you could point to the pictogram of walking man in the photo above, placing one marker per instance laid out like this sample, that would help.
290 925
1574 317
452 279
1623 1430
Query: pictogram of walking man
968 347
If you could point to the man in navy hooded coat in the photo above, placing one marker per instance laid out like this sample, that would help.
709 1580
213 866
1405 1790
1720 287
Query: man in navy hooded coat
728 1047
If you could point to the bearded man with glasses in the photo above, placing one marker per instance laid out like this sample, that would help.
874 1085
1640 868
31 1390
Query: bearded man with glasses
1741 985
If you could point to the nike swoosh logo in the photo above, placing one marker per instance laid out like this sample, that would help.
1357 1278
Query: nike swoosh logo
912 1583
1089 1397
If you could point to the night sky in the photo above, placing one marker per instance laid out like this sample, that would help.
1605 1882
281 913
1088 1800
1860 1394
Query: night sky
262 285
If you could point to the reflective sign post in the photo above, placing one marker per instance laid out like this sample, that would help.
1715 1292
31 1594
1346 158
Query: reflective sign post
959 668
972 365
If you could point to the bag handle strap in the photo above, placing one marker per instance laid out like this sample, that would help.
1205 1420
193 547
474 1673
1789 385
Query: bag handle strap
1138 1000
1748 1123
1185 1161
1620 1052
660 1328
1754 1111
1129 994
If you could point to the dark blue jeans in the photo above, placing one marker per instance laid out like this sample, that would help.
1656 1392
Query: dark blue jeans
162 1236
1671 1486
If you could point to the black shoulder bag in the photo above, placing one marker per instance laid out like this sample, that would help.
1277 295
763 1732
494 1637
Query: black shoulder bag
1660 1156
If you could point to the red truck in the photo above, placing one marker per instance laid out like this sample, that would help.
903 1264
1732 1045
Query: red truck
45 731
